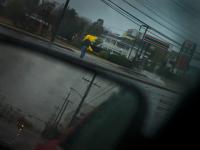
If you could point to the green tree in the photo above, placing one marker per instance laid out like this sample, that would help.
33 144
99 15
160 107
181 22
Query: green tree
75 26
69 24
97 28
45 10
17 9
72 25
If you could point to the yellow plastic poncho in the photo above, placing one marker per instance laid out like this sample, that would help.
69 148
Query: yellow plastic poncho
91 38
89 49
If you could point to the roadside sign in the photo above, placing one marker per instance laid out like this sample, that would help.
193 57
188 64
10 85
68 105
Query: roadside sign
188 48
185 56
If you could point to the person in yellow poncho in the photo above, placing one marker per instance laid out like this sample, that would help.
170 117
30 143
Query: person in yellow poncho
86 44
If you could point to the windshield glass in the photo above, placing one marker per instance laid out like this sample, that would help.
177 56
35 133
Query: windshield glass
152 43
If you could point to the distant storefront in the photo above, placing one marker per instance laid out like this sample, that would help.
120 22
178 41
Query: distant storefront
154 52
185 60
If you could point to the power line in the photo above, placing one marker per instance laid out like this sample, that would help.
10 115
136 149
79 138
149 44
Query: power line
145 23
164 13
128 13
148 16
173 19
148 31
189 11
120 12
163 18
191 14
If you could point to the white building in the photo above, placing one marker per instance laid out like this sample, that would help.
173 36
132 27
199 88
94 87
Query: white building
115 45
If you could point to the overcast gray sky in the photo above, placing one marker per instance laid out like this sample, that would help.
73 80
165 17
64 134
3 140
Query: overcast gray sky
181 16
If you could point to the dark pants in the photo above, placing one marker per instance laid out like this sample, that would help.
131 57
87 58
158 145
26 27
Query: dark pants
83 51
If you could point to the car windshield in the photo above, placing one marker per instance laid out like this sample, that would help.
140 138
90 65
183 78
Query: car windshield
152 43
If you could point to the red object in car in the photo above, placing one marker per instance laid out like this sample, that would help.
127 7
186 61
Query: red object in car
51 145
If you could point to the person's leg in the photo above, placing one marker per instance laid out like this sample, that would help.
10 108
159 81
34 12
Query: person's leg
83 50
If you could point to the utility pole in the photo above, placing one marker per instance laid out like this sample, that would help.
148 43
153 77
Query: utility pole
138 48
137 37
132 47
59 21
142 48
82 100
62 110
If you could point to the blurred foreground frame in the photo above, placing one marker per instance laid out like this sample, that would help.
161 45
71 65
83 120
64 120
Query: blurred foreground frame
107 127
